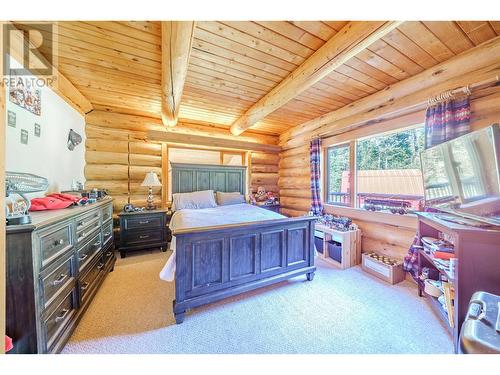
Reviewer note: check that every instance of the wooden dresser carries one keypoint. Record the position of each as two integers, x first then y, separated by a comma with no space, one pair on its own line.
143,230
54,268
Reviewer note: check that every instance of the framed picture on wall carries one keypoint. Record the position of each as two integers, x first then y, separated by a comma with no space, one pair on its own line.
24,136
26,95
11,118
38,130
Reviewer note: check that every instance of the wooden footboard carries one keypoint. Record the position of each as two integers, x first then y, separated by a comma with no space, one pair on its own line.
213,263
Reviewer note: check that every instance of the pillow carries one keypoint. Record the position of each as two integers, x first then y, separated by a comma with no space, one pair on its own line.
224,199
196,199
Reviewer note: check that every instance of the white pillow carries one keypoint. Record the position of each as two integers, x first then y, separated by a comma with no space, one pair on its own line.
196,199
224,199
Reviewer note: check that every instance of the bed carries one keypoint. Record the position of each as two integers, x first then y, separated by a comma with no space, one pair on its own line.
227,250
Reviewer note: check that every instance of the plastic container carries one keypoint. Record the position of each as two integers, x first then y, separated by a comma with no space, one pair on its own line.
318,241
480,332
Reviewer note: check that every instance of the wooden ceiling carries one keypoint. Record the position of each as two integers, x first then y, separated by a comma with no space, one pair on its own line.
117,65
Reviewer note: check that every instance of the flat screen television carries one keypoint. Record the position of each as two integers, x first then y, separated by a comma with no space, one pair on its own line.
461,176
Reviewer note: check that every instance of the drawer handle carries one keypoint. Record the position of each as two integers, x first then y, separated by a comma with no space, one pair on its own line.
58,242
109,253
98,243
85,285
62,315
81,224
60,279
83,257
81,235
99,267
106,234
143,237
144,222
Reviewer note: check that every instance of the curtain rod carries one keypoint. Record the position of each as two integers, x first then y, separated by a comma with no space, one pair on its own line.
421,105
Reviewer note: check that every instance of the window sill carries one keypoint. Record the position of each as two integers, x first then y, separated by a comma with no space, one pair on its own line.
408,221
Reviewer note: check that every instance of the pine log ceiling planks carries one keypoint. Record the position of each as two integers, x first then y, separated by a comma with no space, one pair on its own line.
117,65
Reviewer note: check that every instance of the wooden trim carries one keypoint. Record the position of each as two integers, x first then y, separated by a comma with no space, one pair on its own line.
62,86
348,42
164,174
353,174
186,139
474,65
177,39
2,201
408,221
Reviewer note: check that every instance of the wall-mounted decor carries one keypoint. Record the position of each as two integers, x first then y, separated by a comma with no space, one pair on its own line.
74,139
24,136
38,130
11,118
26,95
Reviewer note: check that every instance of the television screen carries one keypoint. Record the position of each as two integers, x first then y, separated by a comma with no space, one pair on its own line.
462,177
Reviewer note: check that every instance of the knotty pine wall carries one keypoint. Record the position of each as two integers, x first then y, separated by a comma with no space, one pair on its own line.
389,235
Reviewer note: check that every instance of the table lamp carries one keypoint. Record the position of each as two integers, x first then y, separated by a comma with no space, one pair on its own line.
151,180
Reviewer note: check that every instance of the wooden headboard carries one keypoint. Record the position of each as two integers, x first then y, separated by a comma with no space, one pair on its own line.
187,178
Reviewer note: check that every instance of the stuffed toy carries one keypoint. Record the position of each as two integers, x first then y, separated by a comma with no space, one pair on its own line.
261,195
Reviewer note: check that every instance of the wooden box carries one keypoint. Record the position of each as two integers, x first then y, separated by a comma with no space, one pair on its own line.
391,273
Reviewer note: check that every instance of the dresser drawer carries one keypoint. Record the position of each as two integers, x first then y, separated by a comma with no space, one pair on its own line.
54,242
107,232
108,256
55,323
55,279
88,282
86,225
87,252
107,213
143,222
135,238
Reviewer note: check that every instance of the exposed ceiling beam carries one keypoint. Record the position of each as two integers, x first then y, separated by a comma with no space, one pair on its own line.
189,139
176,42
60,84
474,65
347,43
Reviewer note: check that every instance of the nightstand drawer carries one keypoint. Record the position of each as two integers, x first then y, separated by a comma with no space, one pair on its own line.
134,238
143,222
54,242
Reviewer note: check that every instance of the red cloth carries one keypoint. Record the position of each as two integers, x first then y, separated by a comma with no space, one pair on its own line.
8,343
53,202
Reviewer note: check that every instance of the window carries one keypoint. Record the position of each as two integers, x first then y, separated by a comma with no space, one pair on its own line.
338,175
388,174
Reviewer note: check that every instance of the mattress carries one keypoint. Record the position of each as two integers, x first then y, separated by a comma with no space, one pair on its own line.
206,217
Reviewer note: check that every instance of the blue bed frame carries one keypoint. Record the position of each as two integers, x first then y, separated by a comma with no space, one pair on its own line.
216,262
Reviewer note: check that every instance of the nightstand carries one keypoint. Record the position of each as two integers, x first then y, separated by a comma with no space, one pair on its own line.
275,207
144,230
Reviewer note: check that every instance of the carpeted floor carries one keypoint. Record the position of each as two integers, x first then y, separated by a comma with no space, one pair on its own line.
338,312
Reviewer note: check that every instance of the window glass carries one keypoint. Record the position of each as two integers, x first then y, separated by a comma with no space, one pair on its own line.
388,174
338,175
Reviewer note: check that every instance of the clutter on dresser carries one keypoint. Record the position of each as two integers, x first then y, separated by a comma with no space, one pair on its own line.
383,267
339,223
263,197
16,211
129,207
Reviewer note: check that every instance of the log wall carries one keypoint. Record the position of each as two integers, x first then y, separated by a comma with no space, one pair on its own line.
387,235
119,154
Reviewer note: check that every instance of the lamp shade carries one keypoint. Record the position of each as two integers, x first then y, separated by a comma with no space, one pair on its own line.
150,180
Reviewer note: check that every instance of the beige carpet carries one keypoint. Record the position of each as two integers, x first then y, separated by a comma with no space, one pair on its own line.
338,312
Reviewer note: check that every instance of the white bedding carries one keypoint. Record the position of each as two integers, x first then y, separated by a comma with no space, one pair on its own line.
205,217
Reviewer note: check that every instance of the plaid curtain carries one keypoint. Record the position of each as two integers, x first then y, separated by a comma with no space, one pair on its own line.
446,120
315,154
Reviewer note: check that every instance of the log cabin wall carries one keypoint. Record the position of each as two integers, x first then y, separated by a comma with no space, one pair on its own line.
381,232
119,153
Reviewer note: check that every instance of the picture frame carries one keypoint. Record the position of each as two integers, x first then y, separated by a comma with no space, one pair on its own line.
11,119
38,130
24,136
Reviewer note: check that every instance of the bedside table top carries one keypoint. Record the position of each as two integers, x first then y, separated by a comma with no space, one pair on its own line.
144,212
